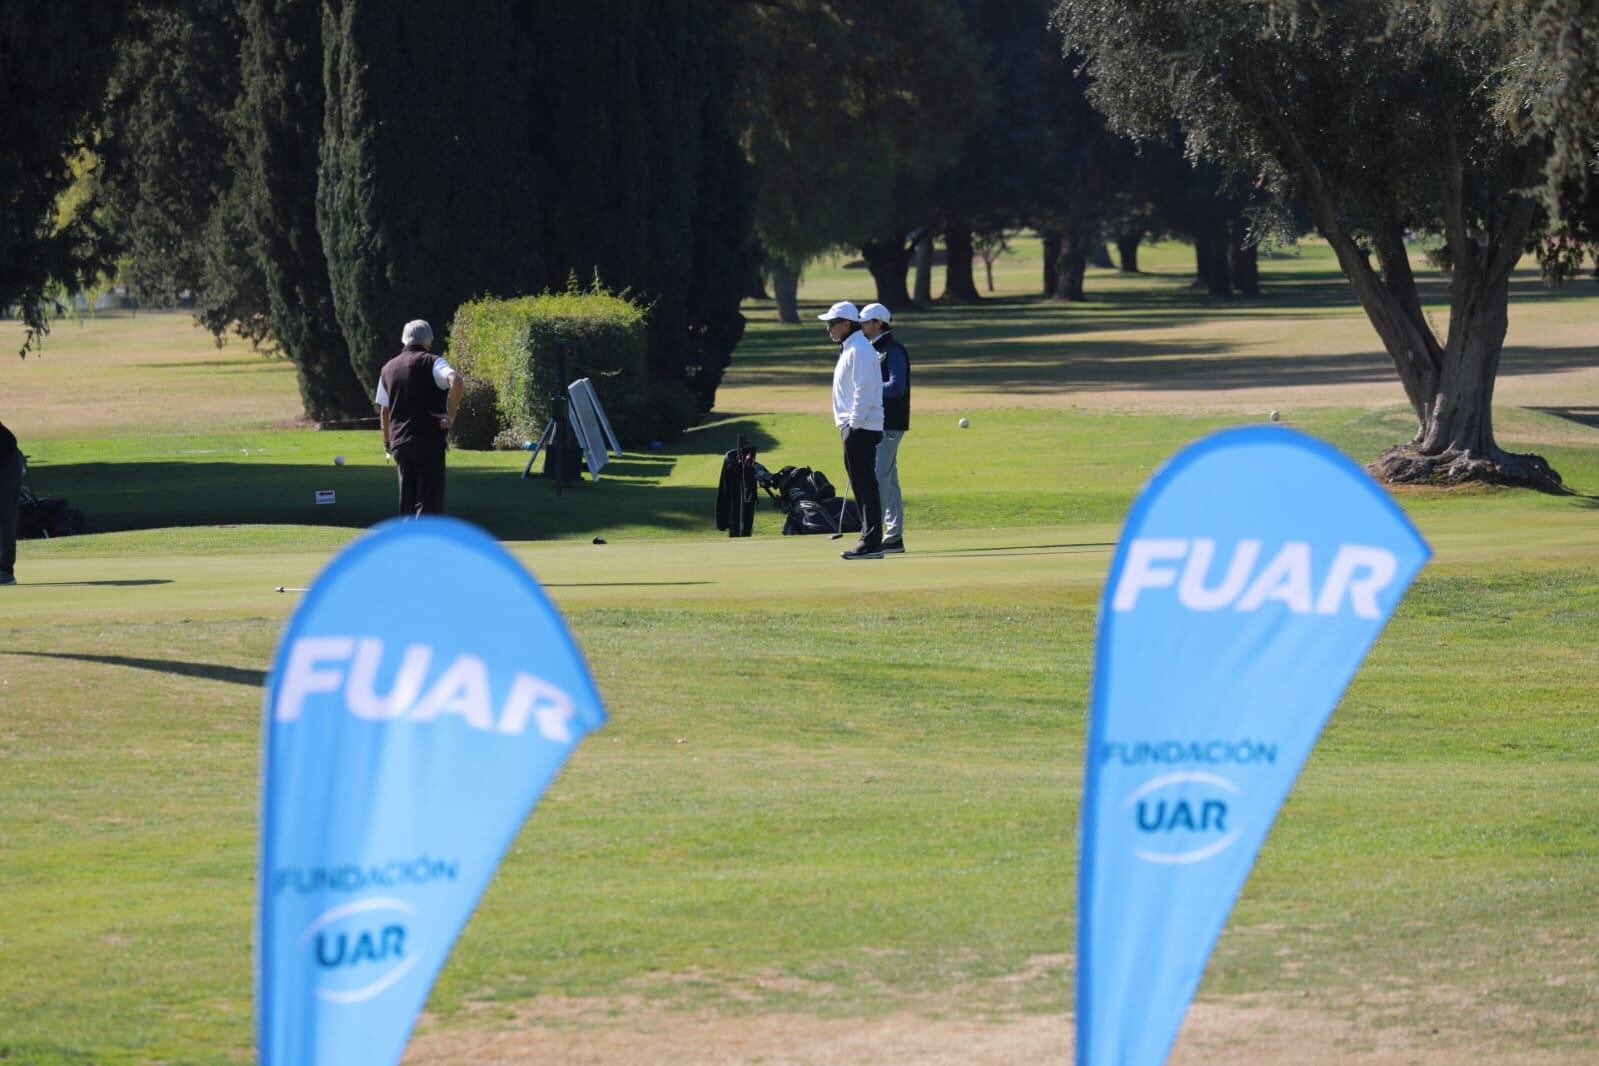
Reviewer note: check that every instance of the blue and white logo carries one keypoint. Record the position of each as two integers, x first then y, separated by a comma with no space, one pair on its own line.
360,948
1182,817
1253,573
408,735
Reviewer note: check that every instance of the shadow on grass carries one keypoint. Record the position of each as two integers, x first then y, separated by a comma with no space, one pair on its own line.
1025,547
1583,416
1031,344
233,675
158,494
206,490
132,583
1045,363
619,584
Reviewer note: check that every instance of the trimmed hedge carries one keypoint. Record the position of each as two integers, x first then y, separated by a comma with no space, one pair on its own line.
477,423
512,345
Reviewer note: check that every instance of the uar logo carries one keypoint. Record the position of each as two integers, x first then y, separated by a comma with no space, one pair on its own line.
1183,818
359,949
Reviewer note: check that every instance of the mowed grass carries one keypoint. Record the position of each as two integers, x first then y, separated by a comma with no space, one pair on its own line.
822,789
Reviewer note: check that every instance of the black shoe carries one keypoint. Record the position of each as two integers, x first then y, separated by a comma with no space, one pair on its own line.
894,547
861,551
8,579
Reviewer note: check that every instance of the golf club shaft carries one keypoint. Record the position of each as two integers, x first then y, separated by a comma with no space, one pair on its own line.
845,505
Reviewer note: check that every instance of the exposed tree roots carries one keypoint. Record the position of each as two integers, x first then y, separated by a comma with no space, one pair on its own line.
1406,464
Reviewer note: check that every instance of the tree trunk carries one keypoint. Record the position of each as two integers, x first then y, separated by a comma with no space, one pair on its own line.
924,268
1051,260
755,280
889,260
1456,439
1218,278
959,286
1242,261
988,269
1099,256
1450,386
785,290
1070,266
1127,252
1202,260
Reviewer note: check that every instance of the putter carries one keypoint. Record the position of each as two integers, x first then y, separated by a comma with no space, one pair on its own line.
841,510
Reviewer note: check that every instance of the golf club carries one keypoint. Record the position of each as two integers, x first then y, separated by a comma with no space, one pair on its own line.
282,588
843,507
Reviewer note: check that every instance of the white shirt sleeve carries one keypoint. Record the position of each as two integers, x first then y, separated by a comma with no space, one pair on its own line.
441,373
382,398
860,368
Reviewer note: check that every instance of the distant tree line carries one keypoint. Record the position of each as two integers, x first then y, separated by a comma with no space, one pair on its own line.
317,172
314,172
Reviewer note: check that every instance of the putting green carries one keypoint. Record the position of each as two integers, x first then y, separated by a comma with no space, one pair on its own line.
152,586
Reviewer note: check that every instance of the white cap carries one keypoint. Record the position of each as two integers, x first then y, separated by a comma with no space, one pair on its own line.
417,332
877,311
843,309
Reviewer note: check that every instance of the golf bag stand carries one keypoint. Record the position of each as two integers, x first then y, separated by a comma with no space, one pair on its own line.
558,441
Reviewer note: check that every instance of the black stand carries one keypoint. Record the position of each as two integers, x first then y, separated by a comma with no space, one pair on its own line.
558,441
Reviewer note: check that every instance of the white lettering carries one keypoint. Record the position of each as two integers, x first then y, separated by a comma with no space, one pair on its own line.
1380,566
359,691
1286,578
323,664
1139,573
302,678
1193,593
549,707
1357,575
463,689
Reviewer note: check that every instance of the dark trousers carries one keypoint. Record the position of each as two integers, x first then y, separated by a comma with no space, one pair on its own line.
860,463
10,497
421,479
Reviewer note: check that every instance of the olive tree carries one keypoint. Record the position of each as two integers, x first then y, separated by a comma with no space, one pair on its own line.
1385,118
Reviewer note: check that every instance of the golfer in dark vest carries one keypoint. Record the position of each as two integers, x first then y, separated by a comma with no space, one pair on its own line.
412,388
895,364
12,467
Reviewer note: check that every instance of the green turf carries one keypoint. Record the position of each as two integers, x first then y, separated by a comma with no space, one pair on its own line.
822,789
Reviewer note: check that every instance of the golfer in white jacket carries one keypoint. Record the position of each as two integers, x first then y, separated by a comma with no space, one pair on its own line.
858,413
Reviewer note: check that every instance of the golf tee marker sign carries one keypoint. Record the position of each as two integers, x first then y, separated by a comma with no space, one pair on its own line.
423,696
1252,576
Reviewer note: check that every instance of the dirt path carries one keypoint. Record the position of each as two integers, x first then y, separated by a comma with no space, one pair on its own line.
614,1031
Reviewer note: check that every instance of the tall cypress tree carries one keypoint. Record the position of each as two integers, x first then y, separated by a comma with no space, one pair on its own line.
168,165
278,132
425,198
639,171
724,248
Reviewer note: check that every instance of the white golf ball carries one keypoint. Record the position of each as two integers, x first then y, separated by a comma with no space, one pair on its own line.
1275,416
965,422
338,460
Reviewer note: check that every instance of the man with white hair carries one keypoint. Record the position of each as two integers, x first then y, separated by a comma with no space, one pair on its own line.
411,388
858,413
896,367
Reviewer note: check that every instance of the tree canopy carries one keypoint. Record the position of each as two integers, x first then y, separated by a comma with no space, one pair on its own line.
55,62
1384,117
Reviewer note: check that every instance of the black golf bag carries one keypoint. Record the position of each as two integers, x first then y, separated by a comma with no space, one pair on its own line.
43,517
809,500
735,491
